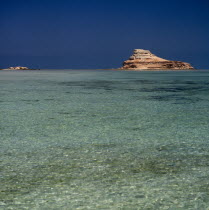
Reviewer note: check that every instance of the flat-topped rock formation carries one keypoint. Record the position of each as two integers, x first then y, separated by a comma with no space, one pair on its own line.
144,59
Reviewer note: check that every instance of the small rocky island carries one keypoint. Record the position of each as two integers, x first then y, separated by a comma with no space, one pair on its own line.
17,68
144,60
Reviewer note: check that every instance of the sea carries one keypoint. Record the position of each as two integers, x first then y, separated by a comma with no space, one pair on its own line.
104,139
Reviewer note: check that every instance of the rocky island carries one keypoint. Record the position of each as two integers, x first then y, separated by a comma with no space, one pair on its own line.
17,68
144,59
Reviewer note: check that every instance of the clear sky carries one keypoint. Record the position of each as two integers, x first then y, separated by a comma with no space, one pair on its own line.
101,33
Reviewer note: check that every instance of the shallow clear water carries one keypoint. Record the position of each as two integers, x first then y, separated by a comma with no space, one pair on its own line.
104,140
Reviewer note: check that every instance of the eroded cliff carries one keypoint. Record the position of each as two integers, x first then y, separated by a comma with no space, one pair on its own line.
144,59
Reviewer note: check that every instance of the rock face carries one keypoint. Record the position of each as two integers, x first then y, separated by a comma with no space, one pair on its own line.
144,59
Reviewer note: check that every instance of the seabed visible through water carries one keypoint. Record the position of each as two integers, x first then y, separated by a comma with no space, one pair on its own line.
85,139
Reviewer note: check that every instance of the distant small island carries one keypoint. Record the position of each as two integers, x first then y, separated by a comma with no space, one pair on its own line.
144,60
18,68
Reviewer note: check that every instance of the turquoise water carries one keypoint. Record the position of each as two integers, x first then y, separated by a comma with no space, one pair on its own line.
104,139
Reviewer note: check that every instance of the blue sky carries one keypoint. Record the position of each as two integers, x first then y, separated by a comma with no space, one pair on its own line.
101,34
